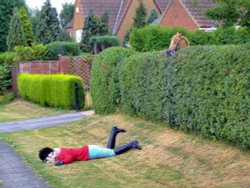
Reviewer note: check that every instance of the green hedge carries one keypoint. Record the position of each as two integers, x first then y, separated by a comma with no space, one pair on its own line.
62,48
151,38
107,40
104,82
209,90
51,90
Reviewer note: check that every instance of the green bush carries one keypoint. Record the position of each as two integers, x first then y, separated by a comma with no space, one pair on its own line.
202,89
30,53
107,40
6,98
62,48
51,90
153,38
104,81
8,59
5,79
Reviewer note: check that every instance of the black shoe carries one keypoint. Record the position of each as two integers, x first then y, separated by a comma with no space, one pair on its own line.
126,147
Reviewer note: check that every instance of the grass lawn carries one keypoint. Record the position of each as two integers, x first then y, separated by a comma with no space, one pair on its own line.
168,158
20,109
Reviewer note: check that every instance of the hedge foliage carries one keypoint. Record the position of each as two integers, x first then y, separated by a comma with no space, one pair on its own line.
104,81
62,48
5,79
51,90
151,38
203,89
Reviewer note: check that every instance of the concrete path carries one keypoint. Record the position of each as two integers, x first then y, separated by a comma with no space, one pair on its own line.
13,172
42,122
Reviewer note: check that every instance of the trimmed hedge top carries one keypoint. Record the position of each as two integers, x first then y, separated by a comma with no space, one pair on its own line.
51,90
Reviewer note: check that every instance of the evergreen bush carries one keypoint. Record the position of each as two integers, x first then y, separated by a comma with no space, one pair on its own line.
51,90
104,83
5,79
8,59
62,48
202,89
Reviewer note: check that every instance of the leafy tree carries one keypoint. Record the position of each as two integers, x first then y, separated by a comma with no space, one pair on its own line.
66,14
16,36
27,27
104,24
140,16
153,16
91,28
231,12
6,12
48,30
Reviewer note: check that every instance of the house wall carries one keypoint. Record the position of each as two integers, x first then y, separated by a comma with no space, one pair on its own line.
128,20
177,15
78,19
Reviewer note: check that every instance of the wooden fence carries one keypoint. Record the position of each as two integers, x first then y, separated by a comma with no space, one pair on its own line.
79,66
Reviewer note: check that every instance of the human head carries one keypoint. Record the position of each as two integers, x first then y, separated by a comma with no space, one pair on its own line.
44,153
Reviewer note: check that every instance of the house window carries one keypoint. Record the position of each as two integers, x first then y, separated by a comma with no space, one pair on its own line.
78,35
77,9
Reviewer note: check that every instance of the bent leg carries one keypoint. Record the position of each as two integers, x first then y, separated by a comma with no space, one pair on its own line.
112,137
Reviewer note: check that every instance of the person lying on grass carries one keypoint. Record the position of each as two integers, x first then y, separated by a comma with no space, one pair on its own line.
61,156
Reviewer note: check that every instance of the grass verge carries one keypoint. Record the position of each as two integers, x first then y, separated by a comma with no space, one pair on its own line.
20,109
169,158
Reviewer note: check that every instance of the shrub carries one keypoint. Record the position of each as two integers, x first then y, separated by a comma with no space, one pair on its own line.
51,90
153,38
8,59
30,53
62,48
104,81
6,98
5,79
202,89
100,43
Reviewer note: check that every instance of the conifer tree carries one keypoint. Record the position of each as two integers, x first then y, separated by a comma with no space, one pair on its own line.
104,24
48,30
67,13
16,35
91,28
153,16
6,12
27,26
140,16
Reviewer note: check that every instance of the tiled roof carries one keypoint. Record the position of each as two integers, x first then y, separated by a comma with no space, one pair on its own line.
198,8
162,4
115,8
69,25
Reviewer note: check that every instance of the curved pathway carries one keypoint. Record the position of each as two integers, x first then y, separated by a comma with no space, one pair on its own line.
13,171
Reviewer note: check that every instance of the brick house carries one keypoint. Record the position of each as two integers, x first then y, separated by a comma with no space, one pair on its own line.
188,14
121,14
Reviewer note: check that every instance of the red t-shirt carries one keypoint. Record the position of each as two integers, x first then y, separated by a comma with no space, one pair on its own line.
68,155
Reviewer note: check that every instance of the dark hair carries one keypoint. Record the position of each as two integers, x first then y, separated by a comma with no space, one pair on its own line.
43,153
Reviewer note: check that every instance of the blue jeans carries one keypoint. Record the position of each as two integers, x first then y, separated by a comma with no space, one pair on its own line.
97,152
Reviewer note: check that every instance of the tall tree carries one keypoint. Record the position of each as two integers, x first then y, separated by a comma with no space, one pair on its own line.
91,28
104,24
16,36
34,16
66,14
231,12
153,16
6,12
27,27
48,30
140,16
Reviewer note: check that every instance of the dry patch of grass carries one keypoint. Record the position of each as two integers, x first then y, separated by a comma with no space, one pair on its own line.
169,158
19,110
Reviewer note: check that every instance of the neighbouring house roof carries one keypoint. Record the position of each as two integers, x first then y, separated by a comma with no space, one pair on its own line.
70,25
115,8
162,4
196,8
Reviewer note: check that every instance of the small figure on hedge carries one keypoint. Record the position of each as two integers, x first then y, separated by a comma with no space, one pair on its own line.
61,156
